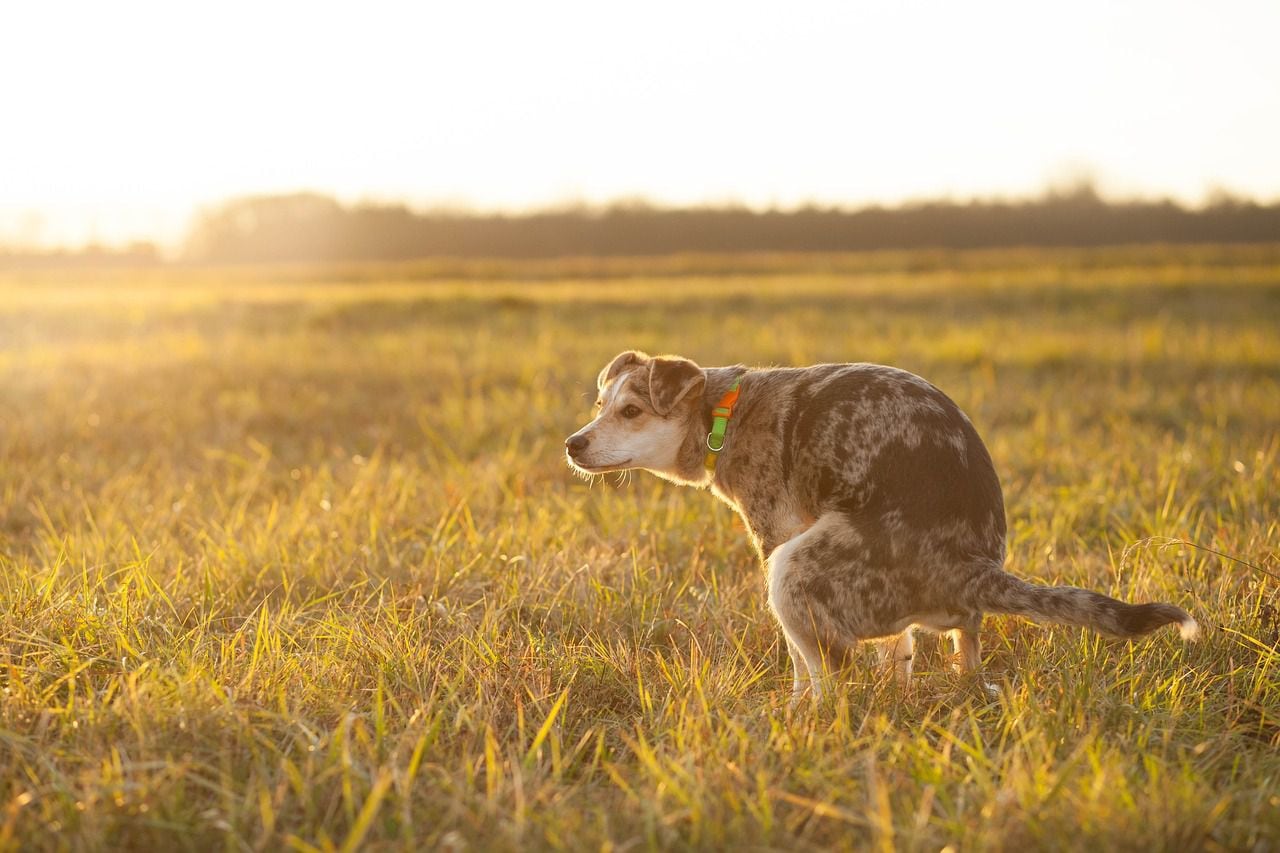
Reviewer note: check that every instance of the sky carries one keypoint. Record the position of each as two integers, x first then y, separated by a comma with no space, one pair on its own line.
119,120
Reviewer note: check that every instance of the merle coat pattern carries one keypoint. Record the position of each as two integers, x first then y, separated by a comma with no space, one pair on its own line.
867,493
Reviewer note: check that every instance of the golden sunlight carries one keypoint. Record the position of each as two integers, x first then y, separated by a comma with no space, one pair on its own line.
121,120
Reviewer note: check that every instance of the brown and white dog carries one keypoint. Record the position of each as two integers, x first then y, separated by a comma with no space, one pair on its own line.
867,492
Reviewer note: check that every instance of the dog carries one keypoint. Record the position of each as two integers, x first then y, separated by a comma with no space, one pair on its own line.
869,497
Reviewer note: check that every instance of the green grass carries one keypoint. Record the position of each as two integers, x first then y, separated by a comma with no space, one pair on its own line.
290,558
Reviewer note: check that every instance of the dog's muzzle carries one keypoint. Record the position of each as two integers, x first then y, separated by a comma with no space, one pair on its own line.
575,444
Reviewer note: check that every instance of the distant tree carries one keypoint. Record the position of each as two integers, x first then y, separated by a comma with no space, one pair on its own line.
268,228
136,254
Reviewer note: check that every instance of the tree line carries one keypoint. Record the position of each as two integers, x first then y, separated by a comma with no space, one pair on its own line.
309,227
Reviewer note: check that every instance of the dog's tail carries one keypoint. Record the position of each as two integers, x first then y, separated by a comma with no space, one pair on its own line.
1001,592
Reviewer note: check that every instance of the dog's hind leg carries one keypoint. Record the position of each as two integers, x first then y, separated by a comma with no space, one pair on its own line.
900,650
968,643
799,670
807,579
798,621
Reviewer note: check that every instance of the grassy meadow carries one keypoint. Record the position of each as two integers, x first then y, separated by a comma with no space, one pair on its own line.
290,559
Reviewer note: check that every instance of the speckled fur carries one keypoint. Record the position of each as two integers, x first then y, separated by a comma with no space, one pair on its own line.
867,493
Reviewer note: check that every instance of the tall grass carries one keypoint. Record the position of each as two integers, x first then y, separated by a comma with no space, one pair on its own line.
292,560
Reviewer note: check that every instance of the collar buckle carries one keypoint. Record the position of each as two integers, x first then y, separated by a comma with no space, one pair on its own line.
720,422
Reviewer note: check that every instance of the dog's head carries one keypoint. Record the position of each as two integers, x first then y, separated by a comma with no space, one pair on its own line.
644,412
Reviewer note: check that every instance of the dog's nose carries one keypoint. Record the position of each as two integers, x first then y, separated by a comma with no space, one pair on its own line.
576,444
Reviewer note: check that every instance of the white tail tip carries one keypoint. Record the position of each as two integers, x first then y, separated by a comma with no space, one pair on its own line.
1189,628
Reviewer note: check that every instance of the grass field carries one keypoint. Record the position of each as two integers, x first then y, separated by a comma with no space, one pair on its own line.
291,558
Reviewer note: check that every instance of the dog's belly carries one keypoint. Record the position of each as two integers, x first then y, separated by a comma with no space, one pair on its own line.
870,626
937,622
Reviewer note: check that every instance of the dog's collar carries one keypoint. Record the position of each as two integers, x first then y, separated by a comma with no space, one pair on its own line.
720,422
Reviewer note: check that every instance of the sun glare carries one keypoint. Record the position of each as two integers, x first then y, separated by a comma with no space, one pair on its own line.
120,120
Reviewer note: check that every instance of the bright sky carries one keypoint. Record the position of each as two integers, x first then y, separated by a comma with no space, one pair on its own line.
118,119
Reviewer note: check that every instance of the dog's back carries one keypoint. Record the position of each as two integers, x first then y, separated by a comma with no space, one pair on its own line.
879,445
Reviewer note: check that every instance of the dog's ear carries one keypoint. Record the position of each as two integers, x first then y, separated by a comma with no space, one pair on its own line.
620,361
671,380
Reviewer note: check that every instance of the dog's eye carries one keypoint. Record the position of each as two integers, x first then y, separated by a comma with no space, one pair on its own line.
631,411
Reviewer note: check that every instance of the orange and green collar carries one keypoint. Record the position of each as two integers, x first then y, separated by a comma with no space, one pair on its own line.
720,422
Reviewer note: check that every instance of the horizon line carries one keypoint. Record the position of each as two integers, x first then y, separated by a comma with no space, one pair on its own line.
1083,187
